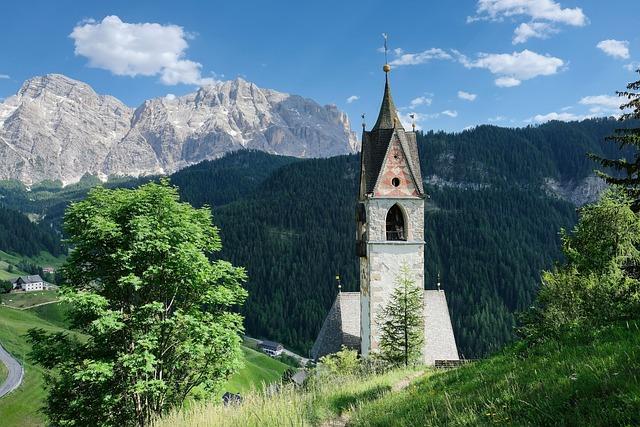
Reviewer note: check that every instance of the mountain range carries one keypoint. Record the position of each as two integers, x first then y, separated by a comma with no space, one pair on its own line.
59,129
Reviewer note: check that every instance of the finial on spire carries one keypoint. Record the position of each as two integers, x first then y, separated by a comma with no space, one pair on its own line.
438,280
386,67
413,121
339,283
363,122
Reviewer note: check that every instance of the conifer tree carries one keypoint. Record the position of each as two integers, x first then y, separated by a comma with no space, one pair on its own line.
402,324
626,137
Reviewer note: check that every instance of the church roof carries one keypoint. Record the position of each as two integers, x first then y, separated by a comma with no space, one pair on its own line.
388,115
375,144
439,341
340,327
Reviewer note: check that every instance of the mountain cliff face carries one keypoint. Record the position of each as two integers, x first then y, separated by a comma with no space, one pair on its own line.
57,128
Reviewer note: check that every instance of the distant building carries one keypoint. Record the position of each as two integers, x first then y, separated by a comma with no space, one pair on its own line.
48,270
271,348
31,283
390,233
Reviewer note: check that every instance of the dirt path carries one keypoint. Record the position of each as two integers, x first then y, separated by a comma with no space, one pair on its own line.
343,419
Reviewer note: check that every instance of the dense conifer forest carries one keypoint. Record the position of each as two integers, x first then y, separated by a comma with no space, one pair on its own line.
19,235
491,224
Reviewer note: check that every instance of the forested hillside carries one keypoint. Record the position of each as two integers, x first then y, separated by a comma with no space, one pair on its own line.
492,223
18,234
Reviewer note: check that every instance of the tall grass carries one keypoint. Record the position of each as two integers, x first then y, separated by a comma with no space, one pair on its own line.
591,380
289,405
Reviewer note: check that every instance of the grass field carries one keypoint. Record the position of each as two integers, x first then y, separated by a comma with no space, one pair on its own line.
28,299
259,369
316,404
21,407
3,373
44,259
589,381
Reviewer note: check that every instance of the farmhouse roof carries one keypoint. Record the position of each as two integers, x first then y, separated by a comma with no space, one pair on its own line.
272,345
29,279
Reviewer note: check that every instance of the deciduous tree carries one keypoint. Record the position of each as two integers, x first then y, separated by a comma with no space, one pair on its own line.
156,315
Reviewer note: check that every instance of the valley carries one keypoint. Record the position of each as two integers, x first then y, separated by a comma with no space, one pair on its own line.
488,241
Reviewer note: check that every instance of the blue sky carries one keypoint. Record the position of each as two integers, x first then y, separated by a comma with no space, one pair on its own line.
455,64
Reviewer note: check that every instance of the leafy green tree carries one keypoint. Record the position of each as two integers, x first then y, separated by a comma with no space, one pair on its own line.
5,286
626,137
157,316
344,362
401,322
596,285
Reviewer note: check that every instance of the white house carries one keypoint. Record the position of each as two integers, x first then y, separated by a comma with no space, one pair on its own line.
271,348
31,283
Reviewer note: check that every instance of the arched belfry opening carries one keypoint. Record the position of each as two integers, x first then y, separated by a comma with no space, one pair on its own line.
396,229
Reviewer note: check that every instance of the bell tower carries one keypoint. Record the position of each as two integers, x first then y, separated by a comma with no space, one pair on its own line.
389,215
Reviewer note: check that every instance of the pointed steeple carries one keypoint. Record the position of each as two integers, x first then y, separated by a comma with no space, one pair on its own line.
388,116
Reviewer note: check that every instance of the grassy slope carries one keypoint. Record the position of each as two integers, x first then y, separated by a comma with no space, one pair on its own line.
28,299
258,370
3,372
45,259
589,381
20,408
315,404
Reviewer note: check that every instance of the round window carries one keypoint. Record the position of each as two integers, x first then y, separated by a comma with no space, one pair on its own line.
395,182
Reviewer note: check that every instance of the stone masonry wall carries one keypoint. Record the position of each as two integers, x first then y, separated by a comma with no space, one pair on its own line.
385,258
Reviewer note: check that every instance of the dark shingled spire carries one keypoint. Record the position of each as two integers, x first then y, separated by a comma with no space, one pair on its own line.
388,117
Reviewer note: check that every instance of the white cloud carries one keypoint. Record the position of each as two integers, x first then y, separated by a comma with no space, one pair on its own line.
146,49
407,121
497,118
602,101
632,66
615,48
4,76
507,82
352,98
467,96
513,68
421,100
547,10
169,97
563,117
525,31
418,118
419,58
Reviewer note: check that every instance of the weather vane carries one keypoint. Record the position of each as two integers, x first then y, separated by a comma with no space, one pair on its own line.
413,121
363,122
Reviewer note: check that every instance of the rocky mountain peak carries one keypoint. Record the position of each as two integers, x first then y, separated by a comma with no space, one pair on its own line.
58,128
54,84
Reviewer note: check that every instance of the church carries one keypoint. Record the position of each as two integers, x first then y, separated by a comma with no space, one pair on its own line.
390,234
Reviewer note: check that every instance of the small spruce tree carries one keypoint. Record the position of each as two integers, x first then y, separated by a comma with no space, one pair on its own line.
401,323
626,137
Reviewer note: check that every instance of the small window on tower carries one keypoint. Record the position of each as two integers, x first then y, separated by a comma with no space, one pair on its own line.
395,182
